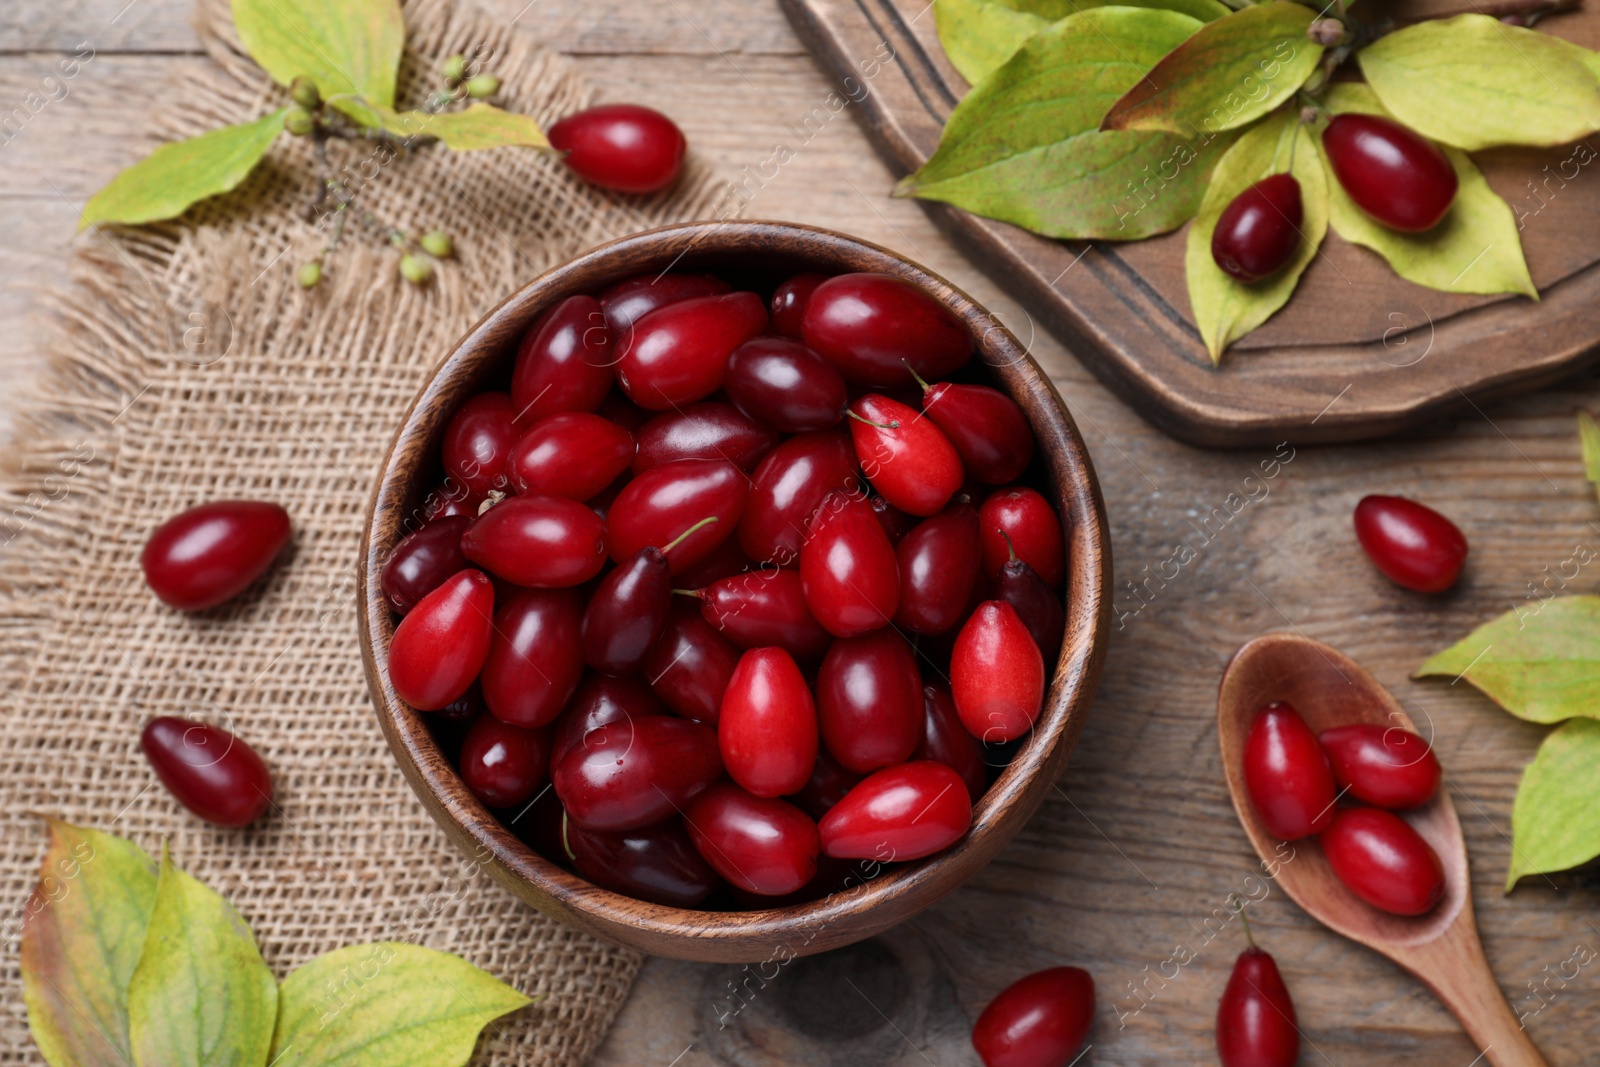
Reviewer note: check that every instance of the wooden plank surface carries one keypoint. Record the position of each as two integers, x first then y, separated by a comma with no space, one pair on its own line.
1140,847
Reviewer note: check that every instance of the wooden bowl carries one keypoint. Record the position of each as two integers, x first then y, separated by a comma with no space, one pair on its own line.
763,251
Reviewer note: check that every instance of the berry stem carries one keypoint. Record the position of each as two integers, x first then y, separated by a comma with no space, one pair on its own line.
1238,902
566,846
676,541
688,592
895,425
1011,548
915,376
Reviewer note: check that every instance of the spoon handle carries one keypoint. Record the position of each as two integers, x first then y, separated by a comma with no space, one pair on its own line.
1460,975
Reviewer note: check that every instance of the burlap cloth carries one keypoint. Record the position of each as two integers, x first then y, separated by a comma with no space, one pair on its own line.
188,366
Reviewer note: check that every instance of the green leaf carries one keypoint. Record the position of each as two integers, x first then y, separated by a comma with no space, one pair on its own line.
81,937
1555,822
1226,309
166,182
1023,147
345,46
479,126
1230,73
200,996
1589,438
1539,663
1474,249
1473,82
386,1005
980,35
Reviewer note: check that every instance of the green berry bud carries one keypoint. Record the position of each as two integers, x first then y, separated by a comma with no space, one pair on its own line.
437,244
415,269
298,121
310,275
455,68
483,86
303,91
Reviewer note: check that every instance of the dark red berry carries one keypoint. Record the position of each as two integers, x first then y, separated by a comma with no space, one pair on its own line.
848,568
627,613
761,845
690,666
422,561
598,700
631,299
654,863
765,607
563,363
1400,178
1036,605
1256,1022
534,659
636,772
1040,1020
903,812
1287,774
575,455
1382,860
767,730
210,771
869,701
871,326
1414,545
828,784
538,541
938,562
213,552
504,765
787,488
625,147
707,430
1259,231
440,645
676,355
1382,765
477,443
905,457
789,303
996,674
945,740
785,385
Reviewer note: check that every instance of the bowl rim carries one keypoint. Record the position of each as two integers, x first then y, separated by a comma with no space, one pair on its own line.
893,894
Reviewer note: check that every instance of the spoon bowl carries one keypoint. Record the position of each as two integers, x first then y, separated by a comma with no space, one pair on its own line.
1440,947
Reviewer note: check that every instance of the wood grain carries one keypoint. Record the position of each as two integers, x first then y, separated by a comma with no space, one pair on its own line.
1339,363
1141,845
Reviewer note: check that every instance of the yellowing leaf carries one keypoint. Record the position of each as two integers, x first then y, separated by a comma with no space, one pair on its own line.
1230,73
1555,822
1589,439
1473,82
1226,309
1474,249
1540,663
345,46
1023,146
386,1005
166,182
980,35
200,996
479,126
82,933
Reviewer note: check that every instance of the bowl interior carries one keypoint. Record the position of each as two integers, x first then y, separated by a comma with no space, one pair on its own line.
757,256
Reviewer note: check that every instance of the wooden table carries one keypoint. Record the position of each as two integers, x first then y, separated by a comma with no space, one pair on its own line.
1140,849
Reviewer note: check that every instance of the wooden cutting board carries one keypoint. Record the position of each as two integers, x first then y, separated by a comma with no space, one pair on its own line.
1357,353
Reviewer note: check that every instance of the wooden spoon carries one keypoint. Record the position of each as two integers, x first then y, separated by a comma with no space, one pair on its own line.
1442,947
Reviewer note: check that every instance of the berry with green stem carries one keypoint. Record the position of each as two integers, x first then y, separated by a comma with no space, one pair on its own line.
483,86
310,274
454,69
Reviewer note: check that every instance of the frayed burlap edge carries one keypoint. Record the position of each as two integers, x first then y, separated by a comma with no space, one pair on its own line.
185,365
